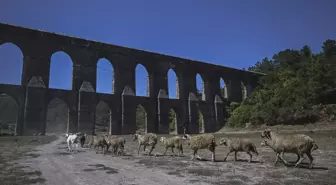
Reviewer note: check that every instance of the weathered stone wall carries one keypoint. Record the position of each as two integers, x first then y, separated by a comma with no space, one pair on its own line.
38,46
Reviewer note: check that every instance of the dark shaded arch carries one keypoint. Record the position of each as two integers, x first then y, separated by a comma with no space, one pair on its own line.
200,87
105,76
11,58
141,81
13,91
60,76
173,84
8,114
60,94
103,122
223,88
141,119
57,116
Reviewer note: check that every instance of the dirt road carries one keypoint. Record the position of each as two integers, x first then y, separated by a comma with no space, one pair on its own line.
87,168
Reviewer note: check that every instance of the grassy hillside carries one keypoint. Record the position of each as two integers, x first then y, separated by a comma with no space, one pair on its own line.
290,93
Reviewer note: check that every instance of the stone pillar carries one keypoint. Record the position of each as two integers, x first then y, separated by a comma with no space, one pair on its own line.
35,65
186,85
114,117
193,114
212,87
20,117
207,110
35,107
157,82
128,113
124,75
84,70
110,126
177,91
219,113
235,91
72,120
86,110
163,112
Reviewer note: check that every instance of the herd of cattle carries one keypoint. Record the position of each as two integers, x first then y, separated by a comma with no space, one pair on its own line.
298,144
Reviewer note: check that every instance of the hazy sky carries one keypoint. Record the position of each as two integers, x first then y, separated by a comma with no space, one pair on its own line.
234,33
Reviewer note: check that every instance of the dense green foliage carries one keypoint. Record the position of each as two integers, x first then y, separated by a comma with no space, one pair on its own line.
290,92
141,119
172,120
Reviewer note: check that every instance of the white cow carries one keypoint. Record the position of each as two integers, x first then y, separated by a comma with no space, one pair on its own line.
72,140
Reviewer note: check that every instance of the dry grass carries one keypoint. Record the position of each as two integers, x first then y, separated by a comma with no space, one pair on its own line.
14,148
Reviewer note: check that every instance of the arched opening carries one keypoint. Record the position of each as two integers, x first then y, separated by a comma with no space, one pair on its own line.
103,119
57,116
105,76
244,91
200,122
200,87
11,59
8,114
141,119
141,81
60,71
172,84
223,88
172,121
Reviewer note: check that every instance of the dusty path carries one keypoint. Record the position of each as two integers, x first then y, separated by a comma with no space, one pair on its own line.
87,168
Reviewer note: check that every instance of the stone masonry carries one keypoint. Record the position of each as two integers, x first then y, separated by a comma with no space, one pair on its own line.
34,94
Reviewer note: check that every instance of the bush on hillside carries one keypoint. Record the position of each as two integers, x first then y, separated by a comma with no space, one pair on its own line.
290,91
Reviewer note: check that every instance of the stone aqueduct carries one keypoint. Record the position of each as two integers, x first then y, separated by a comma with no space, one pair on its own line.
34,94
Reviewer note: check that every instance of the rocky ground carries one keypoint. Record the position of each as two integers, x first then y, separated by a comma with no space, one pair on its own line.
52,164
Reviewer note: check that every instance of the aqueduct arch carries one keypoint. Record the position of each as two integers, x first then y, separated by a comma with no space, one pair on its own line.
34,91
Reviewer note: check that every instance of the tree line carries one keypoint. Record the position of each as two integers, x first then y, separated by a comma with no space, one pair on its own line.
291,92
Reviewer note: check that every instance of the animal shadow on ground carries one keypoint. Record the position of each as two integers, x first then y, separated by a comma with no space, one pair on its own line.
62,153
229,161
63,147
127,155
305,165
167,155
244,161
68,153
110,153
101,167
32,155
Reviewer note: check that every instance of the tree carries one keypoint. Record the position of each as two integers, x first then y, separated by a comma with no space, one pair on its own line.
291,89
